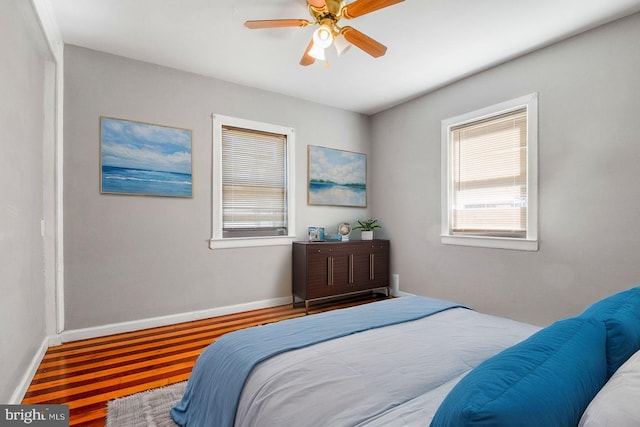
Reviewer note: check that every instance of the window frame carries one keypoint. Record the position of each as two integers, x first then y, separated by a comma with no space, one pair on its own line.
217,240
530,241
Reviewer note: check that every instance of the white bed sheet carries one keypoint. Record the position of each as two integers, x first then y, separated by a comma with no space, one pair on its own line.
392,376
616,405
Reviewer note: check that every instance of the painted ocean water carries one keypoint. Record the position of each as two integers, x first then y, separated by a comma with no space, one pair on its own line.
330,193
147,182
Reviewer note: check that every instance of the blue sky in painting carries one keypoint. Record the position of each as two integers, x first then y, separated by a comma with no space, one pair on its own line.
136,145
342,167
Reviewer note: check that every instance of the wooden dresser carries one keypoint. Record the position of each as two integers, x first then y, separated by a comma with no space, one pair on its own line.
330,269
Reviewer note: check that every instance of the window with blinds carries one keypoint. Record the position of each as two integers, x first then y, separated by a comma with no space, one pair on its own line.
254,183
490,176
489,181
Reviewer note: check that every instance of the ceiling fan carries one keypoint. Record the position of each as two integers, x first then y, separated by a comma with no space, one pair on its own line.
326,14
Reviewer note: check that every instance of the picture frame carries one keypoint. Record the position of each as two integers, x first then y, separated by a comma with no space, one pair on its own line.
336,177
138,158
316,234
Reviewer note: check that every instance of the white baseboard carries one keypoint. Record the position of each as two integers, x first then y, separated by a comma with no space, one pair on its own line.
55,340
136,325
25,381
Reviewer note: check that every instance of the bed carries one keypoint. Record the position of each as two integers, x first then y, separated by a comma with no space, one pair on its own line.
416,361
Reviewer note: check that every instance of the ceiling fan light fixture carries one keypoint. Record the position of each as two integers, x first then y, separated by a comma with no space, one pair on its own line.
317,52
341,44
326,14
323,36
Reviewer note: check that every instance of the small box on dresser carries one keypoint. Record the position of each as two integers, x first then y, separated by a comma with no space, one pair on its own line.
331,269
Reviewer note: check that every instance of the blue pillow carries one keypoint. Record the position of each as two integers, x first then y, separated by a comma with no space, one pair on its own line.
621,315
546,380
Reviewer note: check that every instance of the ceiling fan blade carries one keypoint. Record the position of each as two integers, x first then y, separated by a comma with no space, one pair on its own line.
318,4
276,23
362,7
306,58
364,42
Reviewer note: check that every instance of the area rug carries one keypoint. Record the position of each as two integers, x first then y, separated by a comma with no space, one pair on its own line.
146,409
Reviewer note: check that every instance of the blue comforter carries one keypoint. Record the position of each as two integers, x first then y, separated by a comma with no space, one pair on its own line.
214,388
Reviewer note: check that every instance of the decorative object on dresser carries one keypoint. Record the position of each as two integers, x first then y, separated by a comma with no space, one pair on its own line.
344,230
316,234
324,270
367,226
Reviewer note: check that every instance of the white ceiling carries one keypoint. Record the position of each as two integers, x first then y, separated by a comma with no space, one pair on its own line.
430,42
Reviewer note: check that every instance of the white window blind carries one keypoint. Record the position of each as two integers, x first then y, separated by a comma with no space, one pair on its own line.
254,183
489,194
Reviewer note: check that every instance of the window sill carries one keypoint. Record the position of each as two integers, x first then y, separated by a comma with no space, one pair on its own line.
250,242
491,242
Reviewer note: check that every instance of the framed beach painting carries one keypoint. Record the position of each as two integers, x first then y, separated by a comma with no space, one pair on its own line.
144,159
336,177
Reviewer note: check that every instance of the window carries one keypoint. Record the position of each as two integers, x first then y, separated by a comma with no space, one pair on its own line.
252,190
489,164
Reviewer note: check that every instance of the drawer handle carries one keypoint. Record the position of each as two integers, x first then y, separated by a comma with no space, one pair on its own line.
329,271
372,266
351,269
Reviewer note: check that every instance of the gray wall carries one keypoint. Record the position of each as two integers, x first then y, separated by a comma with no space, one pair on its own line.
129,258
589,157
22,288
136,257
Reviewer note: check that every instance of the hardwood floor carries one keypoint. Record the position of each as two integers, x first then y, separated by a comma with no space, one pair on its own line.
87,374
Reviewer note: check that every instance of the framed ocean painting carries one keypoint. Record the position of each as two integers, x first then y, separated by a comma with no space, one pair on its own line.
144,159
336,177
